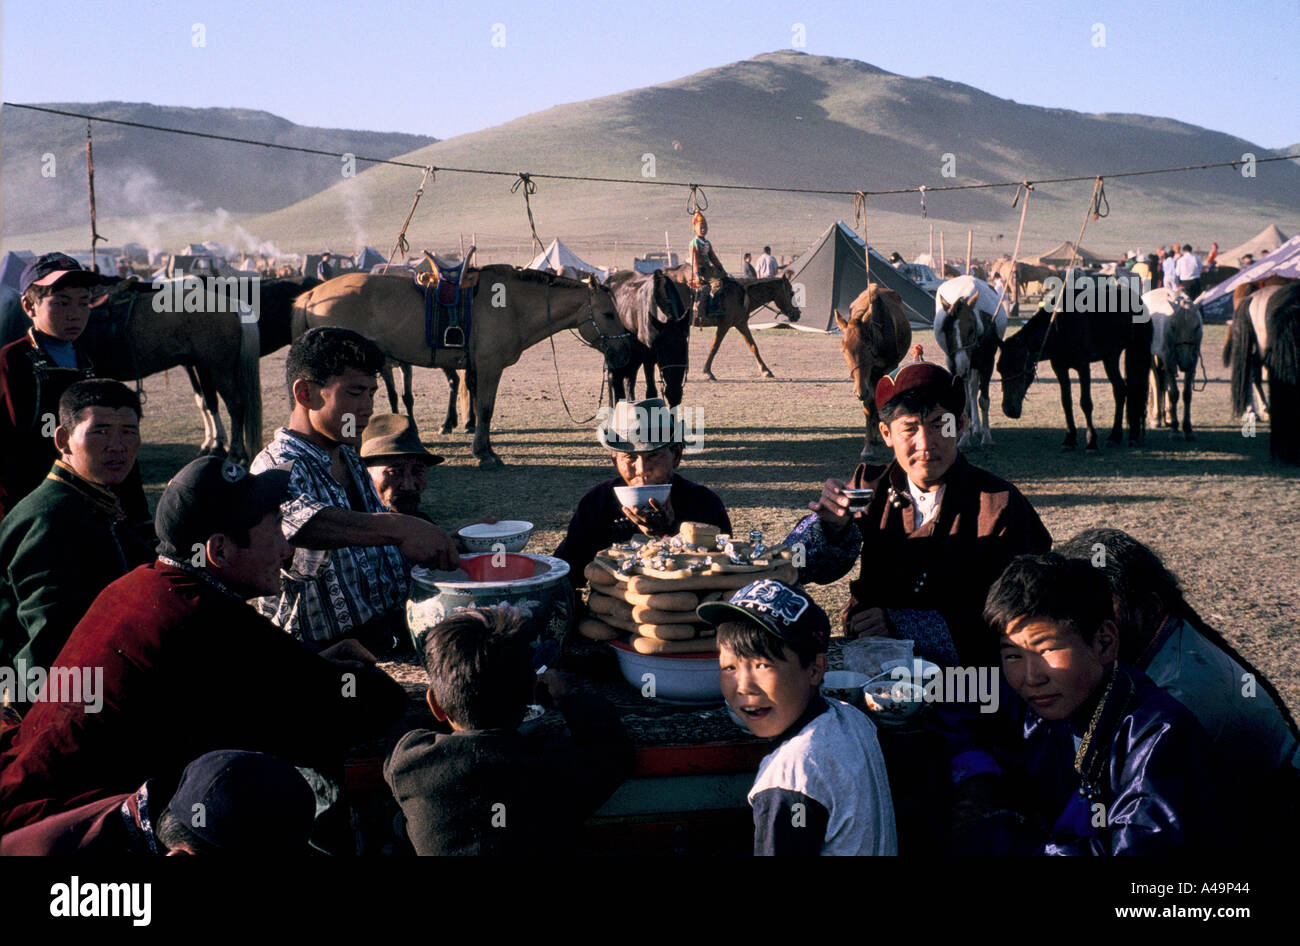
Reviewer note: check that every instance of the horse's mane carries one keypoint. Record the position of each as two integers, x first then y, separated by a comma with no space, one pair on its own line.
542,277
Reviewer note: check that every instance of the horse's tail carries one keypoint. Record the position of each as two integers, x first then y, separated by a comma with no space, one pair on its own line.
1283,321
1137,374
248,378
1242,339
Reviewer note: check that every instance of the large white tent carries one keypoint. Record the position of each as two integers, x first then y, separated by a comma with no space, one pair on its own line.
557,257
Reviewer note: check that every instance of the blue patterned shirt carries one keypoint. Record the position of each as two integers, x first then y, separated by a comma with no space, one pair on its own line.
330,592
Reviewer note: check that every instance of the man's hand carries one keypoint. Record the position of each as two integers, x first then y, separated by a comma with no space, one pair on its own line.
424,543
832,507
872,622
656,520
348,653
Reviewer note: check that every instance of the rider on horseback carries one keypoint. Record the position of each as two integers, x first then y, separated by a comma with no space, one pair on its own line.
707,271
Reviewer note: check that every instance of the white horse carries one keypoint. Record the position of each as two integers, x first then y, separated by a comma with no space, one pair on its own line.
969,321
1176,332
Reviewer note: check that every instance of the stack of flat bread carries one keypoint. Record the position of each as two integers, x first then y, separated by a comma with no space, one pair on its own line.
652,602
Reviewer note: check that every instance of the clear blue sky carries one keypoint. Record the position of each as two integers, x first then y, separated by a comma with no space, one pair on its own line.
391,65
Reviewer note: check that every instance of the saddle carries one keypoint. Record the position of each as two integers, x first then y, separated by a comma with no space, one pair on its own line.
448,307
707,308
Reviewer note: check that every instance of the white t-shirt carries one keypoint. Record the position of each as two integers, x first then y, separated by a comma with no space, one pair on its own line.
766,265
1168,267
1188,266
836,761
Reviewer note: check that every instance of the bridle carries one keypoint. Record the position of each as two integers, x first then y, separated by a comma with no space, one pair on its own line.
602,338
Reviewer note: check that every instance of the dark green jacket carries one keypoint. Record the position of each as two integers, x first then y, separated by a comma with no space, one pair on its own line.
59,548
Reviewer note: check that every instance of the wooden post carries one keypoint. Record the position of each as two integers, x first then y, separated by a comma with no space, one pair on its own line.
931,243
462,245
970,239
940,274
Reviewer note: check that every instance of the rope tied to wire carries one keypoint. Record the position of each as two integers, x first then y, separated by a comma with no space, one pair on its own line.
525,183
922,190
1095,203
696,201
860,220
401,246
1099,201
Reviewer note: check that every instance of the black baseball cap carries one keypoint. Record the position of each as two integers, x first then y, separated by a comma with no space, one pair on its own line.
777,608
244,802
56,269
212,495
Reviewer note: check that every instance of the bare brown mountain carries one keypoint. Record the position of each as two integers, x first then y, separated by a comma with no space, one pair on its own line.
788,119
138,171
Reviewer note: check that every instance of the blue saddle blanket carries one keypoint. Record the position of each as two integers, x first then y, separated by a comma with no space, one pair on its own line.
448,310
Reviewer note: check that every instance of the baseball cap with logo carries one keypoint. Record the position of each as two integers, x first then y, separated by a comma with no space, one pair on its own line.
777,608
56,269
212,495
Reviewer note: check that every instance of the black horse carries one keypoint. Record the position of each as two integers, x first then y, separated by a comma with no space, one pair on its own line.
652,307
1097,324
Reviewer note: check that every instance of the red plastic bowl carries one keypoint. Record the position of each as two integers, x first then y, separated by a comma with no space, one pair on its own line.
492,568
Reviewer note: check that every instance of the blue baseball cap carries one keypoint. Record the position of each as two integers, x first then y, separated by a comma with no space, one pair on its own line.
776,607
56,269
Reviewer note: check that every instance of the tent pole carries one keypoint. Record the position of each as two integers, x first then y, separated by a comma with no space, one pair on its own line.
941,266
970,240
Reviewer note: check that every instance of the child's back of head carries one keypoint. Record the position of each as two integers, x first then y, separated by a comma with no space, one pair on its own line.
479,667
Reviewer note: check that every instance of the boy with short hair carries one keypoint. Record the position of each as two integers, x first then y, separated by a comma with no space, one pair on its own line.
352,569
1111,764
823,789
487,788
69,539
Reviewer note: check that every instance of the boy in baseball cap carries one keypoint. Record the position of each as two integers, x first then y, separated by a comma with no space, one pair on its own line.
823,788
36,369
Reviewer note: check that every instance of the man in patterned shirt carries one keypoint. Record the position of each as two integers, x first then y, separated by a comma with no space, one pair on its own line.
353,555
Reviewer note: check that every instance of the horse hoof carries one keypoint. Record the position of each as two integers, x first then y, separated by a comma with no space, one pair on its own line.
768,374
710,376
490,463
447,429
470,428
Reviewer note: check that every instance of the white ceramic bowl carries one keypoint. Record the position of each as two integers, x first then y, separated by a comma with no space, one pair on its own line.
919,671
845,685
680,678
891,702
640,496
482,536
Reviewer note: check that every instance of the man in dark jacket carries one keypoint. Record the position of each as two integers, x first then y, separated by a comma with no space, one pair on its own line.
935,534
487,787
173,663
645,441
65,542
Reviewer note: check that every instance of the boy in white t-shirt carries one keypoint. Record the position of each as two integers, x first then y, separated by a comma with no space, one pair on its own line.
823,787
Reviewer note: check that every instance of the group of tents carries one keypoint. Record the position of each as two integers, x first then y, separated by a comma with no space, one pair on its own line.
832,272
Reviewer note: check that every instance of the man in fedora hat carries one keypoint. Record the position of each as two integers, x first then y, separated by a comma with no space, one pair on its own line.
936,533
644,440
397,462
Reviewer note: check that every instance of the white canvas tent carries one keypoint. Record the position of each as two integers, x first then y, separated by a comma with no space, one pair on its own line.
833,272
1268,239
557,256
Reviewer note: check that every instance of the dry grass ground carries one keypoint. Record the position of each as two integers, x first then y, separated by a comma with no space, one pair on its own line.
1224,518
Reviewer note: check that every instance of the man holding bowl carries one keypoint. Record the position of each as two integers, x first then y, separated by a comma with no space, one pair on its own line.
934,534
644,440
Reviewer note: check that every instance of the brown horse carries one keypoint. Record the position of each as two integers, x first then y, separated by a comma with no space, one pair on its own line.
876,337
217,343
514,309
739,299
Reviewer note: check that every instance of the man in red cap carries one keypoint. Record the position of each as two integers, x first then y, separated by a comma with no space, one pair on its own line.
935,533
